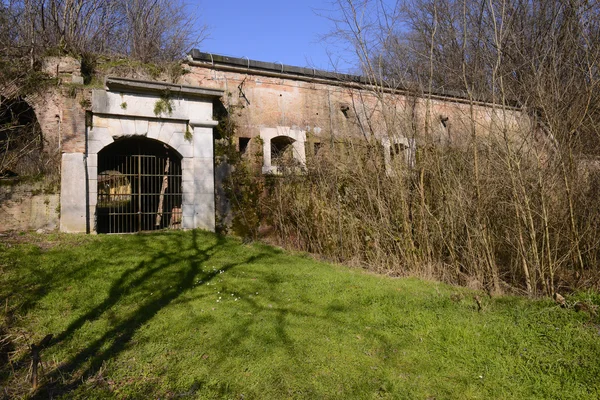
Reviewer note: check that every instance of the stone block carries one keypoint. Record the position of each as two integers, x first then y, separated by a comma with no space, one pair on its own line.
106,139
100,101
182,145
92,172
187,164
188,197
205,212
185,149
141,126
93,197
77,79
200,109
98,140
92,218
94,146
93,185
203,168
73,207
92,160
154,129
164,132
188,216
198,186
99,122
99,133
203,142
127,127
187,172
180,107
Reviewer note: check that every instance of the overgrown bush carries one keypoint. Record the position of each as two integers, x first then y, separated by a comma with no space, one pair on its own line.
495,213
242,190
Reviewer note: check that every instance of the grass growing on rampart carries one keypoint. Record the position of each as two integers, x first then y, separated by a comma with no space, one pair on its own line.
194,315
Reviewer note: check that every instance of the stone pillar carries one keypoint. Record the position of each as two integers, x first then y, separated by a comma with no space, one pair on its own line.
73,205
198,182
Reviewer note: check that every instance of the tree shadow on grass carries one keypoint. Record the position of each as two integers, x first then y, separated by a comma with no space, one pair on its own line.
150,286
23,291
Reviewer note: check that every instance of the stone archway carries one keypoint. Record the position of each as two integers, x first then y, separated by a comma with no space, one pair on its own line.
281,142
21,140
139,186
126,113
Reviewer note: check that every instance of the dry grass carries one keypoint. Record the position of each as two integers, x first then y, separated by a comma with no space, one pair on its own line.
500,213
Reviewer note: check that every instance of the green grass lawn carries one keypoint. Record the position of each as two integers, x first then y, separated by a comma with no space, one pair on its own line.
195,315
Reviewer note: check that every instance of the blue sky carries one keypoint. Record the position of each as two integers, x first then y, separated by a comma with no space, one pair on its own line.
286,31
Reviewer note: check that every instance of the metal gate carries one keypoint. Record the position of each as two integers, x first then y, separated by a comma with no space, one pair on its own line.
138,192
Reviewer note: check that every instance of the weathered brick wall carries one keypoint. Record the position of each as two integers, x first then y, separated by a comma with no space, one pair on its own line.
322,107
73,125
318,107
314,109
60,112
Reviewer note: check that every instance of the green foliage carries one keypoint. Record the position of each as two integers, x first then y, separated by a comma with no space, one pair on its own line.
187,135
244,186
164,105
176,70
71,91
195,315
85,103
127,66
88,67
89,119
34,82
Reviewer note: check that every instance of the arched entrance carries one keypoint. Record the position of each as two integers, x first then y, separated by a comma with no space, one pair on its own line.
22,150
139,186
282,151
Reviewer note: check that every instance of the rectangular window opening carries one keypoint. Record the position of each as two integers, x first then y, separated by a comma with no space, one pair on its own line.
243,144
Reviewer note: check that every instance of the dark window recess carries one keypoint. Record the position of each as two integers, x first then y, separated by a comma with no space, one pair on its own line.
345,109
139,187
243,144
397,149
316,147
281,150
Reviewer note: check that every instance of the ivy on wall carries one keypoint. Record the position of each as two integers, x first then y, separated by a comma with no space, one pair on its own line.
244,185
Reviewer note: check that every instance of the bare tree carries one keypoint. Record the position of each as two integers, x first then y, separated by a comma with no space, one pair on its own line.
144,29
158,29
508,204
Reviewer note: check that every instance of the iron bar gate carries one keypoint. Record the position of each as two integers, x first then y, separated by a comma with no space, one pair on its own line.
139,192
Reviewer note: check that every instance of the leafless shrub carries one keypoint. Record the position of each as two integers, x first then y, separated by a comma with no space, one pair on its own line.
147,30
21,142
505,207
